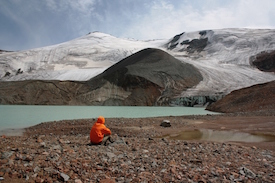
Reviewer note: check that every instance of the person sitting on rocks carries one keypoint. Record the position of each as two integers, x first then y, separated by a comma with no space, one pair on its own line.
99,133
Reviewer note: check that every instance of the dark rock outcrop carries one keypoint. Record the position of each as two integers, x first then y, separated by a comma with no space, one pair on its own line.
194,45
146,78
259,97
264,61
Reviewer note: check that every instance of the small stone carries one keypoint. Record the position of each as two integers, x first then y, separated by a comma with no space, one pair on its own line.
14,149
246,172
64,141
77,181
57,147
228,163
45,153
195,161
27,158
110,155
43,144
64,177
154,164
6,155
3,161
26,177
107,181
36,169
39,179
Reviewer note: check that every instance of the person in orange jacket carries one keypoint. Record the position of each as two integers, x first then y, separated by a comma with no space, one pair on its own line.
99,133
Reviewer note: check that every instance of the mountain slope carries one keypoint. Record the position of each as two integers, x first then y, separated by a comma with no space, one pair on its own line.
148,77
259,97
79,59
223,57
42,92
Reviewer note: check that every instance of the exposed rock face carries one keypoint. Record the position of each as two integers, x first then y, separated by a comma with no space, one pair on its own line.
264,61
194,45
148,77
42,92
259,97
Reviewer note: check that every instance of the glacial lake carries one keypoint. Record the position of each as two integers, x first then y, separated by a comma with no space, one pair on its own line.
21,116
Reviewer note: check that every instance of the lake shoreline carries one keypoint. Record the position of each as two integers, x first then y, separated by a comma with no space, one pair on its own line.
58,151
22,116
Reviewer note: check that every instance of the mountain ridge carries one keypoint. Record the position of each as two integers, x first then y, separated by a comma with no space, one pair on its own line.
224,58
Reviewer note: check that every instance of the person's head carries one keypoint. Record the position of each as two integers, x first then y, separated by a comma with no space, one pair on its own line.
101,120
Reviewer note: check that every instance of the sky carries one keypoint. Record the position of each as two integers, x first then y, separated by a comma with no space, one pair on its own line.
27,24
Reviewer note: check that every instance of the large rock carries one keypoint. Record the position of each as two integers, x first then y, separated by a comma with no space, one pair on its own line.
259,97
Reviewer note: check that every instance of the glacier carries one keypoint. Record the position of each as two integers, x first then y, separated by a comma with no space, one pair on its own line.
222,56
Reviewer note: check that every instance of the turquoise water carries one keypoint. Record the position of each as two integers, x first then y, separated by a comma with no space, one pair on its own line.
21,116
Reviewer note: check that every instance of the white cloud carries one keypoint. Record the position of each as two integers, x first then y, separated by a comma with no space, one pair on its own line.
52,21
166,19
80,6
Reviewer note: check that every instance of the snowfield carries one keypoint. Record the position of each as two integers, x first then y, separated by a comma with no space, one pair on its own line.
222,56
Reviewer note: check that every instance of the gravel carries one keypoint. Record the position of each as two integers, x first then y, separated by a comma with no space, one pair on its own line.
58,152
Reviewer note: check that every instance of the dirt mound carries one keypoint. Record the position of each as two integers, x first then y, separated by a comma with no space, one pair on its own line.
259,97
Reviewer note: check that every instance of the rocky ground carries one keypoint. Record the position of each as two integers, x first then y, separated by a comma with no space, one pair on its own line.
142,152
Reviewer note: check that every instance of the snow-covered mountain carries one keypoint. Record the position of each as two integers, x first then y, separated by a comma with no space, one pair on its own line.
79,59
222,56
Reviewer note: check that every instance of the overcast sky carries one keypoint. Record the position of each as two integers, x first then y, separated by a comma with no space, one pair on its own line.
26,24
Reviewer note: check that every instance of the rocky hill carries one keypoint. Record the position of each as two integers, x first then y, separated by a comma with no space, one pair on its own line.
259,97
150,77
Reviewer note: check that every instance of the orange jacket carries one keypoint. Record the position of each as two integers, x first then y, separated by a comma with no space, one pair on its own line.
99,130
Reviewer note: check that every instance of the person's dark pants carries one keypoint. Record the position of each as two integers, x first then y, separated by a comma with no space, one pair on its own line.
104,141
